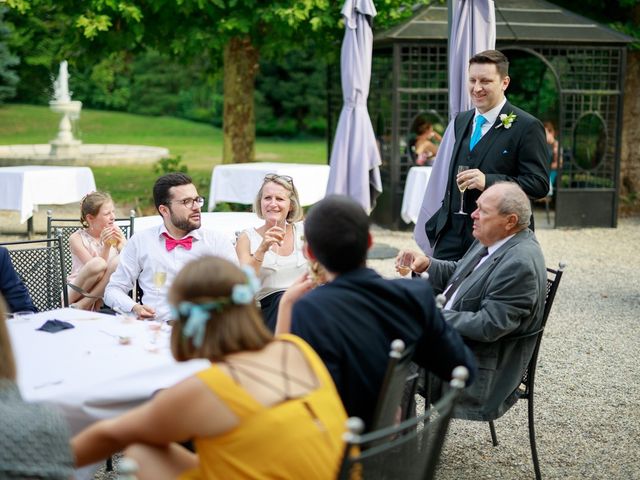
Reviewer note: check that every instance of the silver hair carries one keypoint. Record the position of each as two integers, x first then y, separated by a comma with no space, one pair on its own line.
515,201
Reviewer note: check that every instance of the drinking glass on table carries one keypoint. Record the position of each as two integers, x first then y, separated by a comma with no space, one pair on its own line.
462,188
153,328
21,316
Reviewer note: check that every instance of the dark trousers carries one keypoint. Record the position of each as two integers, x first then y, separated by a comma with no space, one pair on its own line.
269,307
455,239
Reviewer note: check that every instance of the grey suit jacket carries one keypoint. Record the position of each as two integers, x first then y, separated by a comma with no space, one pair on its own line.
518,154
504,297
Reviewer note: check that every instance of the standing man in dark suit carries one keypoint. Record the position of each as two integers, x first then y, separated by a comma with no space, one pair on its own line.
495,291
497,142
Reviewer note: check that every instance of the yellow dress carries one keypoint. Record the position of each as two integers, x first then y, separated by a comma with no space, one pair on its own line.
295,439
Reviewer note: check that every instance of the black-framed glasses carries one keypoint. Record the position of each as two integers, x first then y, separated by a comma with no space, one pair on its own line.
274,176
188,202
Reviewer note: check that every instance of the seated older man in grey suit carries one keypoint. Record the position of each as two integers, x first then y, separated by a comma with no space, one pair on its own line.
494,292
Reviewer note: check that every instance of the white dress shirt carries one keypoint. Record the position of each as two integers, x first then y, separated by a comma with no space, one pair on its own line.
146,253
491,116
490,251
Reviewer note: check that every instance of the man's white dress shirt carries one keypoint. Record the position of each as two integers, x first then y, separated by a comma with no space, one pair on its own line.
490,251
146,253
490,116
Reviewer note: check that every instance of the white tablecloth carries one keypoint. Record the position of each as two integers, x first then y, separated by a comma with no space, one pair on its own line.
86,372
226,222
24,188
240,182
414,189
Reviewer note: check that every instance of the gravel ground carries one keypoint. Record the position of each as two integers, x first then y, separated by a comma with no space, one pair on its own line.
587,394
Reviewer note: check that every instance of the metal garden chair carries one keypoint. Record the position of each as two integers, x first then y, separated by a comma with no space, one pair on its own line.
409,450
527,384
525,391
41,266
398,388
67,226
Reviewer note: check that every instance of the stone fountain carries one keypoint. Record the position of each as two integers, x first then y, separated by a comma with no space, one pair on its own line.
67,150
64,145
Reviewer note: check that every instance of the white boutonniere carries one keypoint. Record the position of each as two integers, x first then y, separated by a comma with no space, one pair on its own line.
507,120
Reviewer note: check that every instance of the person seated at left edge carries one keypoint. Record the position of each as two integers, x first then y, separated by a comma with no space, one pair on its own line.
12,287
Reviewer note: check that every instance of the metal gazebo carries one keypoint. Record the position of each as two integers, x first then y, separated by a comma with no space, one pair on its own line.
586,62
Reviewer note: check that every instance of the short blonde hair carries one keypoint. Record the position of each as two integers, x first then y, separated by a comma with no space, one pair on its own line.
295,210
233,328
7,363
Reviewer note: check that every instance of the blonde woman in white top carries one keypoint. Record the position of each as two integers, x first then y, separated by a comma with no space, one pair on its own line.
274,250
94,250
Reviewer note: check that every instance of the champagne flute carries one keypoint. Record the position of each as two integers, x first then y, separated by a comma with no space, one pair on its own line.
404,268
462,188
276,247
159,279
113,241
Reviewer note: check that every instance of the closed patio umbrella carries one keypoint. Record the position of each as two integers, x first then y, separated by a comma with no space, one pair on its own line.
472,30
355,159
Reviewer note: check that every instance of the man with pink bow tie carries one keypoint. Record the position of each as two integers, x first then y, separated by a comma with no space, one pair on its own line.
154,256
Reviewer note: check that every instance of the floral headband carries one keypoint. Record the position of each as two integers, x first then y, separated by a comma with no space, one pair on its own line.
199,313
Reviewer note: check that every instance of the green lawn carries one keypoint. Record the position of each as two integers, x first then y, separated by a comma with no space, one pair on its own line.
199,145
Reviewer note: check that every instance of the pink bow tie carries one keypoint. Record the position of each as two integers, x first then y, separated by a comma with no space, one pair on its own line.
171,243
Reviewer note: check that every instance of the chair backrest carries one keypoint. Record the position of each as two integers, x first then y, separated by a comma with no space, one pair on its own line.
553,281
409,450
396,380
67,226
41,266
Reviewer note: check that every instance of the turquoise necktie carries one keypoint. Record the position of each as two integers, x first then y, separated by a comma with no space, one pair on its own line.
477,132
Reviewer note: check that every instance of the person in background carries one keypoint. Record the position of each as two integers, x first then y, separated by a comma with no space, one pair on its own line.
154,256
35,439
266,408
554,152
352,320
425,141
12,287
274,250
95,250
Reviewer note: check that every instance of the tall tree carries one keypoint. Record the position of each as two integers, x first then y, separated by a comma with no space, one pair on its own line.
8,77
230,33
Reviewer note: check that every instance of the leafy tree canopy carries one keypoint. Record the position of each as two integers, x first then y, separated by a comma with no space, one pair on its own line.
8,77
187,28
621,15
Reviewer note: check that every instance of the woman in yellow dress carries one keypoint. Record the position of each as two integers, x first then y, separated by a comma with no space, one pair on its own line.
266,408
